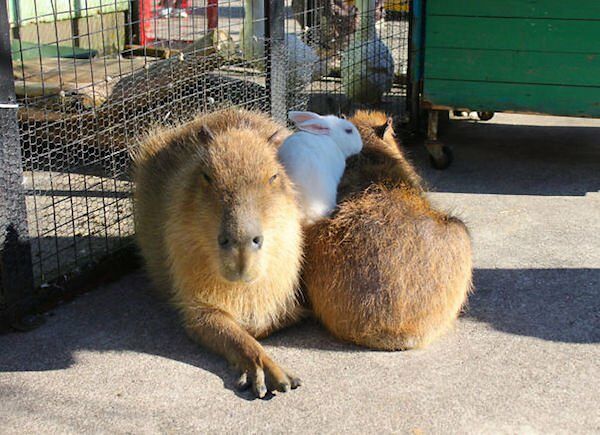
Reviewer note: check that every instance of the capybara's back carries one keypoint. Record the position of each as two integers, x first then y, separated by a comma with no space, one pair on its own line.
387,271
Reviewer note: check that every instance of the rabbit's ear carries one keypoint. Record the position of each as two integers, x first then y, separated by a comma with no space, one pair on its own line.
315,126
300,117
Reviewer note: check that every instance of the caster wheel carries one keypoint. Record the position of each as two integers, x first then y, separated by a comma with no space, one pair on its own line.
28,323
485,116
443,160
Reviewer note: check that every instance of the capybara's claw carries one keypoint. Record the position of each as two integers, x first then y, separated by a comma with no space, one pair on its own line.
268,378
258,382
295,381
279,379
242,383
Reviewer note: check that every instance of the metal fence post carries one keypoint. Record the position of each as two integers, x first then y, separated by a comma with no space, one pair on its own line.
276,60
415,62
16,276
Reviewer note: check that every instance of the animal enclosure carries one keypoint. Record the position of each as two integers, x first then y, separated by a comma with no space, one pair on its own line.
81,82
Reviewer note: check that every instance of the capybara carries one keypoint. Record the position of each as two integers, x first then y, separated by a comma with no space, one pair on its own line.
387,271
218,225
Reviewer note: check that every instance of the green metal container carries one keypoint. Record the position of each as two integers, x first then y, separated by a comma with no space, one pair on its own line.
533,56
539,56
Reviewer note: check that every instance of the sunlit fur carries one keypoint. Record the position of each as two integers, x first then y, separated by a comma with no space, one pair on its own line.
387,271
178,214
380,160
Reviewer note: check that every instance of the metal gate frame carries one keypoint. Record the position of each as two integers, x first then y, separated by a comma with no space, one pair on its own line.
16,274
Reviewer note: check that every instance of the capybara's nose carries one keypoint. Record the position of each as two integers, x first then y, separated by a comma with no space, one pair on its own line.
224,241
227,242
257,242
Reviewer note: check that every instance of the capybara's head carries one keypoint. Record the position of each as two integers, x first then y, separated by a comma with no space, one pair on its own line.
241,200
381,124
378,160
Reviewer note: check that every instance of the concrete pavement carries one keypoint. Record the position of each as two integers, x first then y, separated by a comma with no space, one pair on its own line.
525,358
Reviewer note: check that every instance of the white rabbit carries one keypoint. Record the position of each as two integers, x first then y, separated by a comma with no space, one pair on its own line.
315,159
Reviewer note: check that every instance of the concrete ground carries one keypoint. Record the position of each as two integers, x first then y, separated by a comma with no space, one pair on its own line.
525,357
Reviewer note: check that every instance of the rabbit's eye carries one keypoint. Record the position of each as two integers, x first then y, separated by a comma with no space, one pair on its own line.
349,130
206,178
273,178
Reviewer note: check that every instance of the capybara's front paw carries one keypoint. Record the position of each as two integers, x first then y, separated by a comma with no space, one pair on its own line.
264,375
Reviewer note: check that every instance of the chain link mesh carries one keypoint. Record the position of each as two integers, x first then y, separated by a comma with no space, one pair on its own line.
91,80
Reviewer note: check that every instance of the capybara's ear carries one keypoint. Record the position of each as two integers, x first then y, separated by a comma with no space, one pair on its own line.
384,128
380,130
278,137
205,134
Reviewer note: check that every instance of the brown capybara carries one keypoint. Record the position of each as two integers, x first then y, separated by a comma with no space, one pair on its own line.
387,271
219,229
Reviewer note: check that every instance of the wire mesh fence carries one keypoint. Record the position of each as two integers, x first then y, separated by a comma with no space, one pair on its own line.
90,78
359,52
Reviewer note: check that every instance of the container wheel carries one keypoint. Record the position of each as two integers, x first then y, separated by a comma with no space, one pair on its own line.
485,116
28,323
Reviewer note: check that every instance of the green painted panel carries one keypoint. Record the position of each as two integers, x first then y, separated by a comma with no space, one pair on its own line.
556,100
581,9
513,66
513,34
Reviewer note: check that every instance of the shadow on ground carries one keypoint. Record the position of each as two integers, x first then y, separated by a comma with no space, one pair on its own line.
517,159
551,304
561,305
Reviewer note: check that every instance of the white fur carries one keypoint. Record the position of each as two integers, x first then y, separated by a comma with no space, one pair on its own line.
303,63
315,159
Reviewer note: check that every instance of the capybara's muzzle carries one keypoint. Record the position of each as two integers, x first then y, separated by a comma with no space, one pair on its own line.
239,247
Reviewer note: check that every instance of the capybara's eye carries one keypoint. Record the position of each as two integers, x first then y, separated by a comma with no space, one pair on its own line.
273,178
349,130
206,178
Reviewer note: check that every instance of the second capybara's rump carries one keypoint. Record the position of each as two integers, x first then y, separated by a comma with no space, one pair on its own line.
396,276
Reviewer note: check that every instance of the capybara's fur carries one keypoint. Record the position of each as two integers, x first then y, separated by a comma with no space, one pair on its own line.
382,158
219,228
387,271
